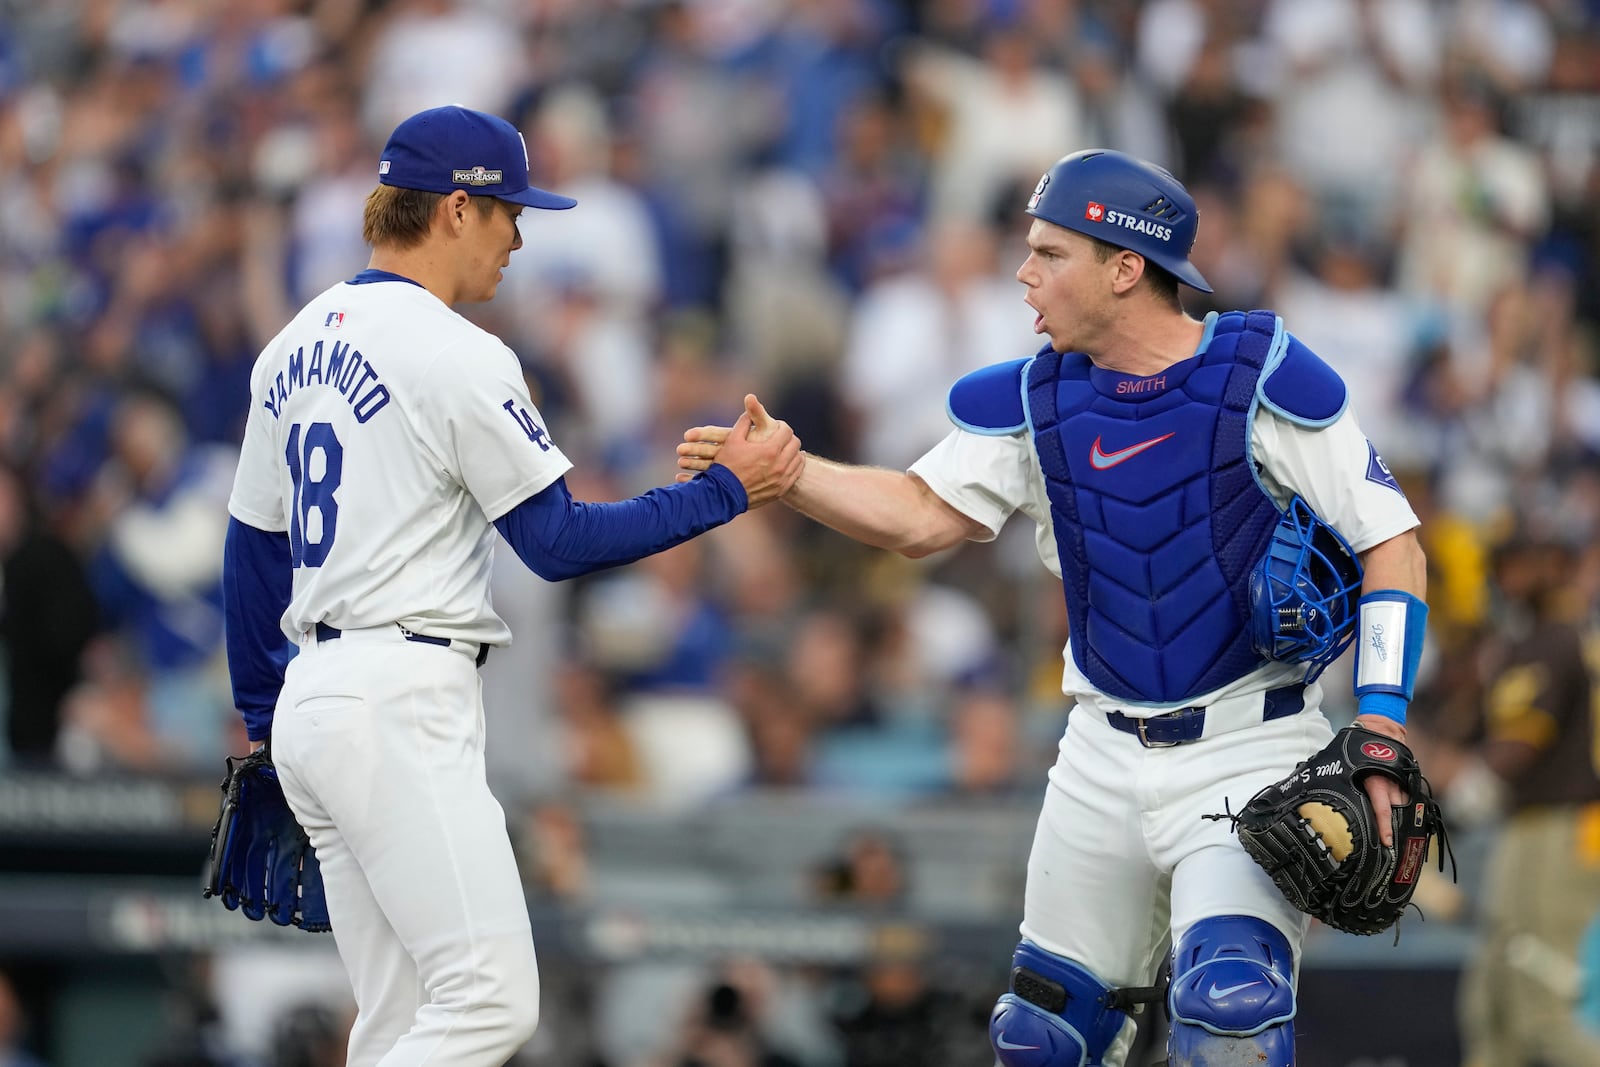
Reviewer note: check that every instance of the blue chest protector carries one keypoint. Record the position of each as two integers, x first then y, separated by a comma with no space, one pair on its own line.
1158,515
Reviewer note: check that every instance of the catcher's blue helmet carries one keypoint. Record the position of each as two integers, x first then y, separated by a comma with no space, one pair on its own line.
1124,201
1304,592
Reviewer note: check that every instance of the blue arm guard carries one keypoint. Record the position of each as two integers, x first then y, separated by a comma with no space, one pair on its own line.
558,537
257,582
1390,627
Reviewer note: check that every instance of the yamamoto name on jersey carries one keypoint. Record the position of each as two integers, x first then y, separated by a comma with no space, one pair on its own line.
346,370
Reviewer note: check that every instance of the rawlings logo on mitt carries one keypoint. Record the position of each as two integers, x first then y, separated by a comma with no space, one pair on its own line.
1316,835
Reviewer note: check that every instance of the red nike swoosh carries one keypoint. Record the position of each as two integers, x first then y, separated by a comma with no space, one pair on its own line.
1102,461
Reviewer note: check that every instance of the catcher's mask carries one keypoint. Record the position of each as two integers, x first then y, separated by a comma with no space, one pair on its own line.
1304,592
1124,201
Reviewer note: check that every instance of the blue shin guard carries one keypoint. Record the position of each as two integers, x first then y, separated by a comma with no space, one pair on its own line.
1057,1013
1232,997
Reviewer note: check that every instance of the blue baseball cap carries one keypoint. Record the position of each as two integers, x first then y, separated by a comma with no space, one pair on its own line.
448,148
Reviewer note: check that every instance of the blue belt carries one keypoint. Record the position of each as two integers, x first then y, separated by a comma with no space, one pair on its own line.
1187,724
333,633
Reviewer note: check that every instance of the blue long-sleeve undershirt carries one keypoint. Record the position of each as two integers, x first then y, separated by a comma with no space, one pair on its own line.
555,536
257,582
558,537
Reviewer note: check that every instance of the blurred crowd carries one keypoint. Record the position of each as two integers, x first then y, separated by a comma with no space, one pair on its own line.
820,201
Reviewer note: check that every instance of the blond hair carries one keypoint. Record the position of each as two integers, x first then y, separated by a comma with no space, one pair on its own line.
400,218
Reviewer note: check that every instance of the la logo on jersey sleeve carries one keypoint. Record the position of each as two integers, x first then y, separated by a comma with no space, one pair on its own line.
1378,470
536,433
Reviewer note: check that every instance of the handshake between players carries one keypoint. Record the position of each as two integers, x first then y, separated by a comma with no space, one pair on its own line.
762,451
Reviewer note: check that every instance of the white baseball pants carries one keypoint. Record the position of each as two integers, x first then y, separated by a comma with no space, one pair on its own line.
1122,862
379,744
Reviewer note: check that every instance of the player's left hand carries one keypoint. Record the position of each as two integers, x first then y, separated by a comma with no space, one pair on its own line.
1384,793
1316,833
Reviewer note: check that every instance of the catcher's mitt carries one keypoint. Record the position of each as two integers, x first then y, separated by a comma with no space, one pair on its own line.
261,861
1316,834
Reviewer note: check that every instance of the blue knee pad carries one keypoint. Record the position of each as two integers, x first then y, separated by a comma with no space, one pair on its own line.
1057,1014
1232,996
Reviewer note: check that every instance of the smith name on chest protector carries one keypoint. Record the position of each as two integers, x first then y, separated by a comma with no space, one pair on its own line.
1158,514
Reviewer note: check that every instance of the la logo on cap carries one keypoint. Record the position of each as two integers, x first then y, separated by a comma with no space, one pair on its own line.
1094,212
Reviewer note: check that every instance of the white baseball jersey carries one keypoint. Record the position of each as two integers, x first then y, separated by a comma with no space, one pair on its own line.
385,435
989,478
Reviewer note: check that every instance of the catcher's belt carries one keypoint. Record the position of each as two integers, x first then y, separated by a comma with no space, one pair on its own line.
1189,724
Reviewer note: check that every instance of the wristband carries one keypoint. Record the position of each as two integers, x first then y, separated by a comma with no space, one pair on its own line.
1390,625
1386,704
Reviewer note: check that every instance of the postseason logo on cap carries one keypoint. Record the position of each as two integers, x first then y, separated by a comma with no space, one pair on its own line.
477,176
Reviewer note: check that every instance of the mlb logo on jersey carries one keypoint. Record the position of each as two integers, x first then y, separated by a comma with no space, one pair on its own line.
334,320
1094,212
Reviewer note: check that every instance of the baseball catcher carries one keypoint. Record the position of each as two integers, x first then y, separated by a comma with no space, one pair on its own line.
261,861
1316,834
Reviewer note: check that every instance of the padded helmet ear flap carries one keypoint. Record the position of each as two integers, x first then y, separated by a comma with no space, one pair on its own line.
1304,592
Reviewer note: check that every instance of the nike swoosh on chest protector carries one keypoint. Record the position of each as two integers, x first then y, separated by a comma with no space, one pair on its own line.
1002,1043
1101,460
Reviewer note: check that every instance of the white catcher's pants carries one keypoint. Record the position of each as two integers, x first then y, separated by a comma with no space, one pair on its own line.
379,744
1122,862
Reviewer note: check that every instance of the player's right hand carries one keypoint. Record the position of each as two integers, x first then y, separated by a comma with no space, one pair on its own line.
762,452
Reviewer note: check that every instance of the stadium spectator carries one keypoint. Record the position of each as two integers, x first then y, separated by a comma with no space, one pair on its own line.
47,617
1521,995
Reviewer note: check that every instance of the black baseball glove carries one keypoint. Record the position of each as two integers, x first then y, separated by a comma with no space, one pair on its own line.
261,861
1316,834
